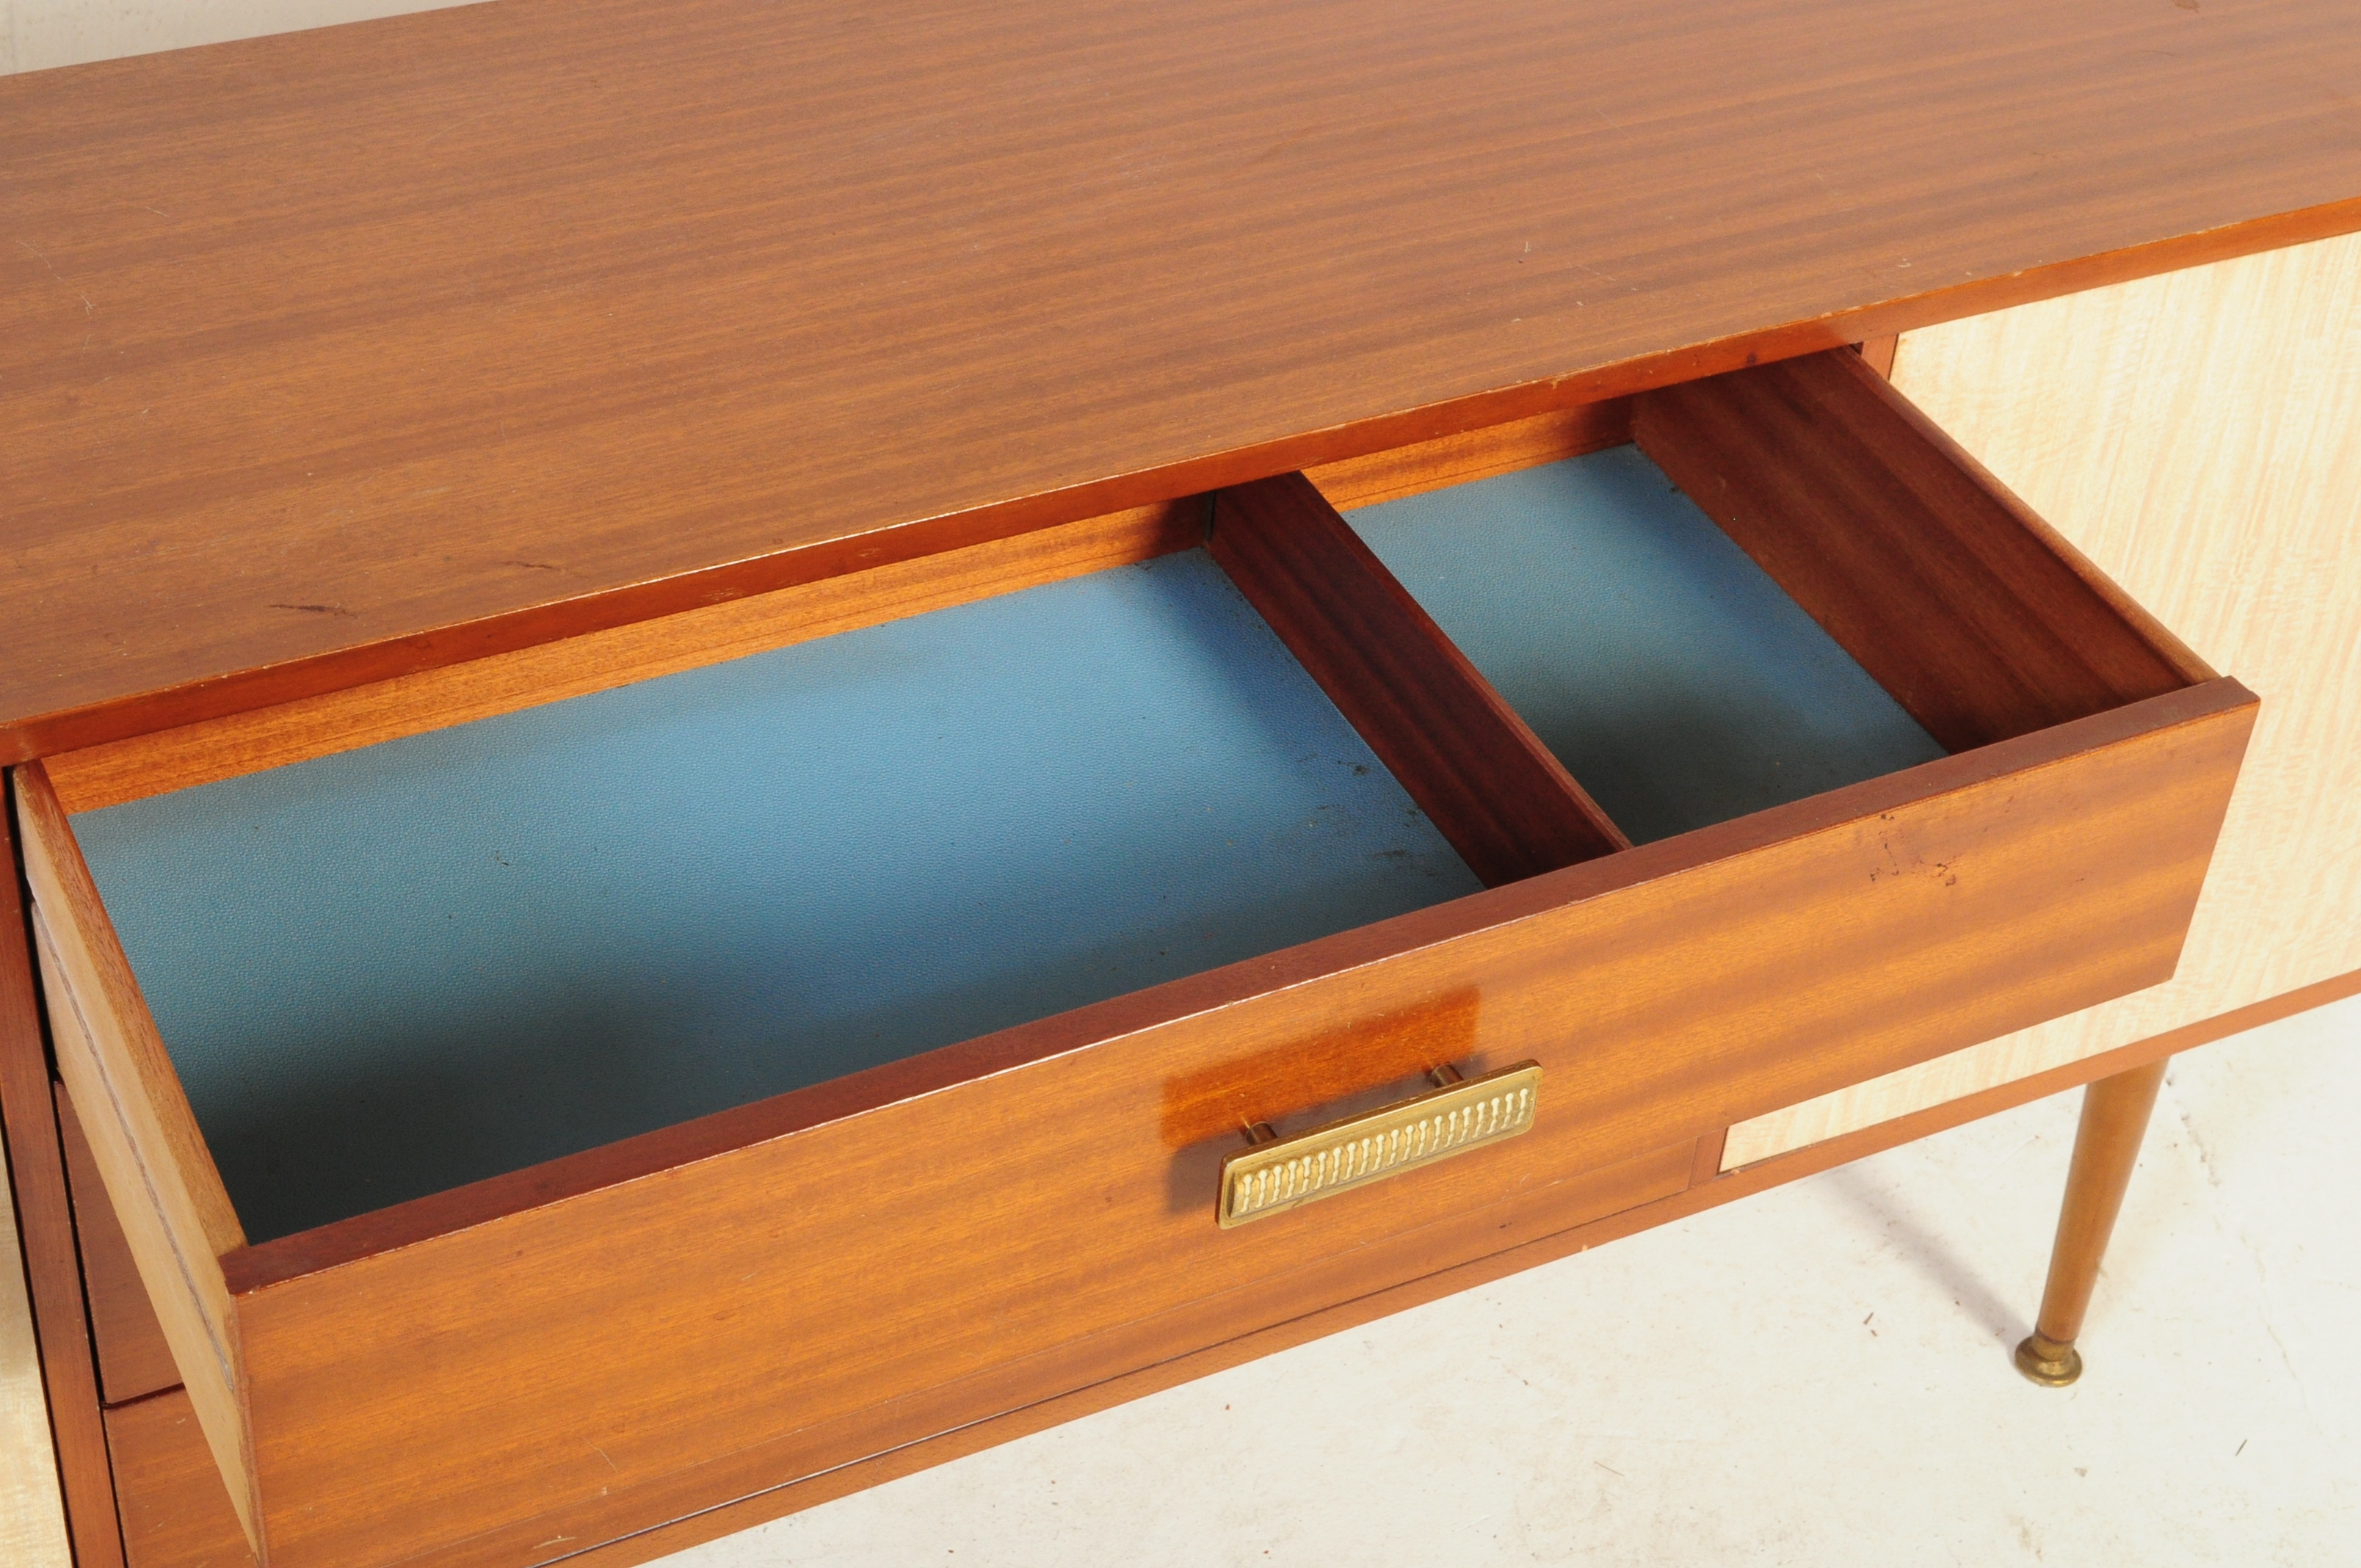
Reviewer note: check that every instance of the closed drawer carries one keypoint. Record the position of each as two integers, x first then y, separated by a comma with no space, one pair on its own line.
536,1129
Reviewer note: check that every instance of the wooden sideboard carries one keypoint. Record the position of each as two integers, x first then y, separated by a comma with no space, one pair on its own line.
468,367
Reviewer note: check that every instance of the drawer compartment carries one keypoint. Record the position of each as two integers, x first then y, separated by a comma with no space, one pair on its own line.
1656,661
631,1225
546,931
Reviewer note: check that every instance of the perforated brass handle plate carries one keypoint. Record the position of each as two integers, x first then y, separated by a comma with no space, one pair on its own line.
1287,1173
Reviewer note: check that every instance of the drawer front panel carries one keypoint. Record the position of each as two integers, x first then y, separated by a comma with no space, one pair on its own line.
599,1343
175,1513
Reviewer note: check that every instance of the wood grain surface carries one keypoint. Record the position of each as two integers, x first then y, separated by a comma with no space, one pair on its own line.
1250,1303
1474,768
133,1360
158,1173
502,683
814,1278
1473,454
175,1513
2199,438
179,1516
1979,620
331,356
73,1450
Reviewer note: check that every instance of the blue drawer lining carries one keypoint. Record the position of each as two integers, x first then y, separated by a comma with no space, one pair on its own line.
1665,669
393,971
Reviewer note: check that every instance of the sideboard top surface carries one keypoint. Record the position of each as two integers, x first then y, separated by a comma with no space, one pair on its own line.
331,354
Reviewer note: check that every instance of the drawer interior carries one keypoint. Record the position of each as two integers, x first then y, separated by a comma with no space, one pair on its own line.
394,970
424,963
1665,669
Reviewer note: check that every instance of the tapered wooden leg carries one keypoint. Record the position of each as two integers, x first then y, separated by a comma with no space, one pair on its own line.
2115,1117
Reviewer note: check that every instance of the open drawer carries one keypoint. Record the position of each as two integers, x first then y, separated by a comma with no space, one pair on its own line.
536,1129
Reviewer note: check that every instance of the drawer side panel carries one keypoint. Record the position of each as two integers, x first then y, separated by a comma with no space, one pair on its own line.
1974,613
156,1171
134,1358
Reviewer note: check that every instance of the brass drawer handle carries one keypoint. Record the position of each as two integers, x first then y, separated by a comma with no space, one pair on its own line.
1285,1173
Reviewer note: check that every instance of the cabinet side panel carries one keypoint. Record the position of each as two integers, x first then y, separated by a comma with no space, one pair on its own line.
596,1344
2196,436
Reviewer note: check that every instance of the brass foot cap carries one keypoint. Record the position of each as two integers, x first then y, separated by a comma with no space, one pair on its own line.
2047,1361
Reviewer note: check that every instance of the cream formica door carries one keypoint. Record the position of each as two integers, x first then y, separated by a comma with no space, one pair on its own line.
2199,436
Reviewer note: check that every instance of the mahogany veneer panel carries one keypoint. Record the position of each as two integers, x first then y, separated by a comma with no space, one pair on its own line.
1473,454
32,1503
177,1480
334,356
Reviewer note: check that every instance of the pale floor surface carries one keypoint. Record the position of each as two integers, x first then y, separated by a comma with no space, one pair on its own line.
1816,1375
